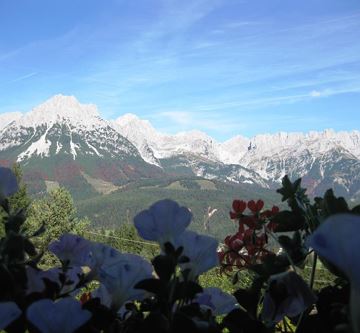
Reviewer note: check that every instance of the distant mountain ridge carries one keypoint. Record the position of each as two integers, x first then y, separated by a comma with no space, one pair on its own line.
63,141
323,159
63,138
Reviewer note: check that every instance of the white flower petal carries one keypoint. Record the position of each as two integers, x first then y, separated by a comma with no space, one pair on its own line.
63,316
9,311
163,222
72,248
101,256
218,301
120,278
103,294
337,239
35,283
72,278
298,297
201,250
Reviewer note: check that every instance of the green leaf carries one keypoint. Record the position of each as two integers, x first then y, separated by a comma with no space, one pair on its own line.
333,205
154,286
249,298
164,266
288,221
187,290
294,248
29,248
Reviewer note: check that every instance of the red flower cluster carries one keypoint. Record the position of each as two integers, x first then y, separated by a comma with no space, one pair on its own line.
248,246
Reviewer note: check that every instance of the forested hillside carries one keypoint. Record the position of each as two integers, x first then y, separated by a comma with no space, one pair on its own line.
109,211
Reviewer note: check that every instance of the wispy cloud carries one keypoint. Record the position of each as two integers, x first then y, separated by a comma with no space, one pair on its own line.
191,64
315,93
24,77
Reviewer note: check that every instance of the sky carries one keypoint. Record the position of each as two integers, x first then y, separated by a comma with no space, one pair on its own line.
225,67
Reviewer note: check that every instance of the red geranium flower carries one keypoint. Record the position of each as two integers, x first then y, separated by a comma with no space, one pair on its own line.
238,208
255,207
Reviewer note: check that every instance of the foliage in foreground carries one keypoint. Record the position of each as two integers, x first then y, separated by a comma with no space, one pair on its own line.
166,295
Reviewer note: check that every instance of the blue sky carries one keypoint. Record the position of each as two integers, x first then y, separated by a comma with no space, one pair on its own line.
226,67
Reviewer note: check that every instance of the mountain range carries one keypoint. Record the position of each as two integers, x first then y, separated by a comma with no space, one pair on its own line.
64,142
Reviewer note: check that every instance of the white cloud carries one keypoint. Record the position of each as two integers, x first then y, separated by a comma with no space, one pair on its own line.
315,93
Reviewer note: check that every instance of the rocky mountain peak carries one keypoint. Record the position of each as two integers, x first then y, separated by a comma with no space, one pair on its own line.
61,108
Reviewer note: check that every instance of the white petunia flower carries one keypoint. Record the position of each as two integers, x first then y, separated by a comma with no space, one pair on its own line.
103,294
163,222
35,283
337,240
72,276
9,311
102,256
106,299
121,277
72,249
287,295
201,250
35,279
217,301
63,316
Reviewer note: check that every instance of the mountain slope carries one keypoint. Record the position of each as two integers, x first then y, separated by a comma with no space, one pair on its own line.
61,139
110,210
65,142
323,159
7,118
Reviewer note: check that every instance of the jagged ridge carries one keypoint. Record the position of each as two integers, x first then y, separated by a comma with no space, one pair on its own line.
63,129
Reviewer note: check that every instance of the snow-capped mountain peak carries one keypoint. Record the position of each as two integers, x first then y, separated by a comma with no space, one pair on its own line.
7,118
141,133
61,108
130,125
62,126
154,145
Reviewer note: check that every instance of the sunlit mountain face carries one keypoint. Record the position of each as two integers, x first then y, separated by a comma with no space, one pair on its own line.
64,142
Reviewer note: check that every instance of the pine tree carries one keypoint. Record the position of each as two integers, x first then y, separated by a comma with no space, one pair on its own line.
57,213
19,200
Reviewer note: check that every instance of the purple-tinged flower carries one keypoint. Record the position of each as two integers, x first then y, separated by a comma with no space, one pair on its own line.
103,294
337,240
106,299
72,278
163,222
35,283
102,256
287,295
8,182
35,279
63,316
201,250
72,249
121,277
9,311
217,301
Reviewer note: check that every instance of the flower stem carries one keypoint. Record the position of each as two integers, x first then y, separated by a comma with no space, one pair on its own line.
313,270
311,285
